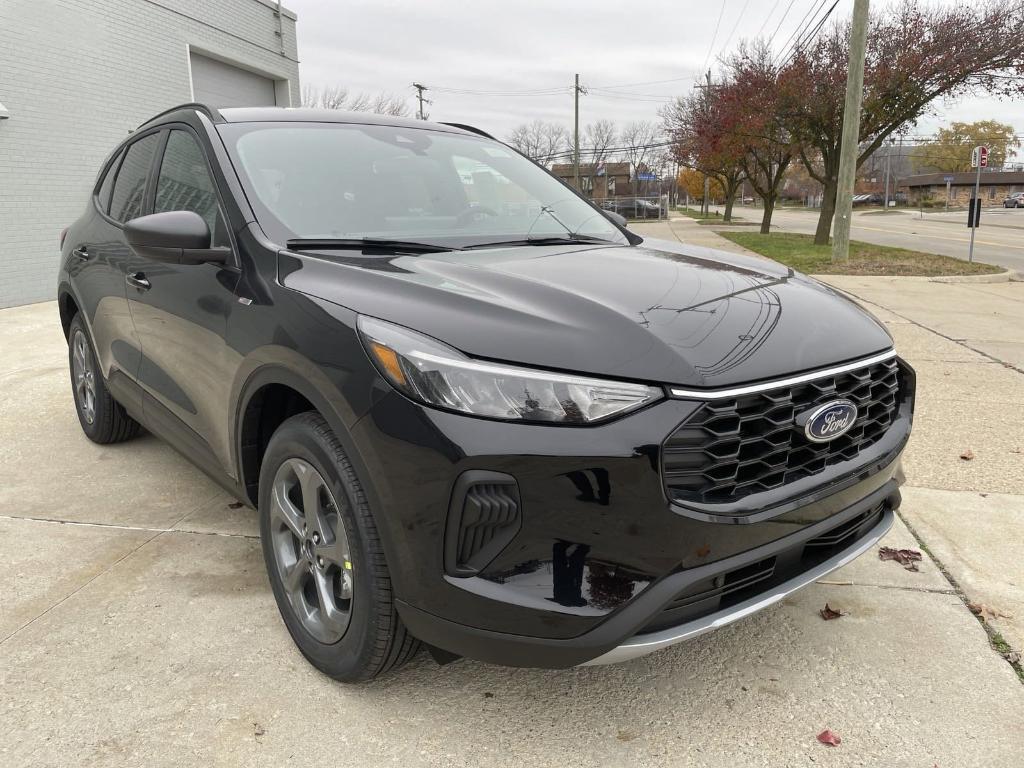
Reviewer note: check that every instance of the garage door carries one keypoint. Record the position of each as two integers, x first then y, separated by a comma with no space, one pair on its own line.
223,85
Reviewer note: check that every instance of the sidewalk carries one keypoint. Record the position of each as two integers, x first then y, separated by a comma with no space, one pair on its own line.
966,342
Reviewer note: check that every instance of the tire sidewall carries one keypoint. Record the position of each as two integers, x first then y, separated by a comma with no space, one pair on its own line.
347,657
91,430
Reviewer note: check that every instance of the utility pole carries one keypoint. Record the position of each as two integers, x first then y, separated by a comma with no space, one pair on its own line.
888,160
851,132
419,95
576,91
706,204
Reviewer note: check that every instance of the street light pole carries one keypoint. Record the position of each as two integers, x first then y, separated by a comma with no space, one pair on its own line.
888,159
851,132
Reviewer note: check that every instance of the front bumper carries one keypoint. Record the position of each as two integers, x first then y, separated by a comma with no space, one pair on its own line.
602,566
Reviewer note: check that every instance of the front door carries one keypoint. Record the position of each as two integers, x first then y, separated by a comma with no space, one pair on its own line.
180,313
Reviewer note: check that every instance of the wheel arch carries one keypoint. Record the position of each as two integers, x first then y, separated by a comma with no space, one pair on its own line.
68,308
269,396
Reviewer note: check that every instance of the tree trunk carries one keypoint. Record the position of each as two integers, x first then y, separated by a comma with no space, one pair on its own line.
766,218
727,215
828,211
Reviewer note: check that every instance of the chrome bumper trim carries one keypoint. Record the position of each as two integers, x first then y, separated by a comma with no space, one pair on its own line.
641,645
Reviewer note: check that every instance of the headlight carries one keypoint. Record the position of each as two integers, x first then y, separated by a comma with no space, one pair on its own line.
435,374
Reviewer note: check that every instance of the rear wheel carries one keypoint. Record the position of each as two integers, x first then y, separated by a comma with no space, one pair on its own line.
324,557
103,419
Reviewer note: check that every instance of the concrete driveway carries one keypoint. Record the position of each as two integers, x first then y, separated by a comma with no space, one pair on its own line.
137,626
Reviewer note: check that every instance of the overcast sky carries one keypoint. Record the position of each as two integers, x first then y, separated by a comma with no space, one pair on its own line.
492,51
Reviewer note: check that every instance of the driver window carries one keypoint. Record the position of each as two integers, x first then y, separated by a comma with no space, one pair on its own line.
185,184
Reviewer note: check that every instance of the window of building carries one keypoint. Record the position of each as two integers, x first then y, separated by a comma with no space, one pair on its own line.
130,187
184,184
586,185
611,186
991,193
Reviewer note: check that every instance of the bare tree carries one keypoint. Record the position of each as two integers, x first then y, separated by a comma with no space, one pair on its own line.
338,97
539,140
637,138
598,139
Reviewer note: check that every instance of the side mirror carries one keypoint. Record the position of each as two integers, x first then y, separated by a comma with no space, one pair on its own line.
617,218
173,237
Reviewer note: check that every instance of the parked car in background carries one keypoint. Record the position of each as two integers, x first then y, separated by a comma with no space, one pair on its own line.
516,433
1014,200
633,207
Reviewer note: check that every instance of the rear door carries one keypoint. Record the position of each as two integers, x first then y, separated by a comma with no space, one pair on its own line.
181,311
100,261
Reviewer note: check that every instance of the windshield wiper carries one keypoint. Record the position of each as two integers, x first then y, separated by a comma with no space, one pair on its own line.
345,243
570,239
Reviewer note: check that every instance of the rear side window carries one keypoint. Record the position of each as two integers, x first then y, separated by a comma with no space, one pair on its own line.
103,195
185,184
130,187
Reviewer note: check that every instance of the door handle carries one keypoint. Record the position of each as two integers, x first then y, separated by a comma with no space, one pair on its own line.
81,253
138,279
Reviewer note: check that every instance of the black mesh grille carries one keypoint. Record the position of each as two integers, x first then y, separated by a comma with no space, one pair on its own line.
735,447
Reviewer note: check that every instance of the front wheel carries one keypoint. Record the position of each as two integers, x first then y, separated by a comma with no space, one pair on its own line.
324,557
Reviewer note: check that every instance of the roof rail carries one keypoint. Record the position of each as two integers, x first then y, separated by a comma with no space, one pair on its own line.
471,129
209,111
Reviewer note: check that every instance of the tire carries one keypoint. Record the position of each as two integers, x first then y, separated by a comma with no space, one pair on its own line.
103,419
333,557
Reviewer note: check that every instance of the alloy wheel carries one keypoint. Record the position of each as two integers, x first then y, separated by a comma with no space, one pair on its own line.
311,550
84,377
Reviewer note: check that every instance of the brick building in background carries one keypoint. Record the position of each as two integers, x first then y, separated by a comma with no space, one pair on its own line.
76,76
995,185
598,182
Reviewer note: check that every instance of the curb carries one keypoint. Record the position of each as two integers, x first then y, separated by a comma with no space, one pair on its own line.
1008,276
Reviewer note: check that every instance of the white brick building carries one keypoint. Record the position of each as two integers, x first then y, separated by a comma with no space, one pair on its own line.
77,75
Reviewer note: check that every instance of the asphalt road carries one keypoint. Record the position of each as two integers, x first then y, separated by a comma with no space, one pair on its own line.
999,240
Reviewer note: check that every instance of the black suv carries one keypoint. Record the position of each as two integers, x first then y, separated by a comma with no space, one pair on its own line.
472,409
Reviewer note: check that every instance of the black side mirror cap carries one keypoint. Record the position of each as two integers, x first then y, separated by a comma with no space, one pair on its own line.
173,237
616,218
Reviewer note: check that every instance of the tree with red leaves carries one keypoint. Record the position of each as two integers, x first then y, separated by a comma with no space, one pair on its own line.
760,97
916,54
704,138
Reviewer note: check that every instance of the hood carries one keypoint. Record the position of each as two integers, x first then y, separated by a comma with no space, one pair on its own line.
660,312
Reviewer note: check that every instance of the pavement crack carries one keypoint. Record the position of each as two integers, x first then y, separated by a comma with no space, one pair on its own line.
116,526
995,640
930,590
960,342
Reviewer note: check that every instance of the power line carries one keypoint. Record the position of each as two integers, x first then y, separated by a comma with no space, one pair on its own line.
711,47
766,18
779,25
806,39
735,26
801,27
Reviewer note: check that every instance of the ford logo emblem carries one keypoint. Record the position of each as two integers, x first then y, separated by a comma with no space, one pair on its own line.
829,421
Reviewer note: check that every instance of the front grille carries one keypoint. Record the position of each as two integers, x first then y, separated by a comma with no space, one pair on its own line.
734,447
732,587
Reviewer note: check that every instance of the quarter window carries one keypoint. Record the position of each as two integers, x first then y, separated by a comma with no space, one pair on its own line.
184,184
103,195
130,188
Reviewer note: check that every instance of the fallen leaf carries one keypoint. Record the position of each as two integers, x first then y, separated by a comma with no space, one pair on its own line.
828,613
235,505
488,695
987,611
625,736
1013,657
257,730
908,558
827,737
967,455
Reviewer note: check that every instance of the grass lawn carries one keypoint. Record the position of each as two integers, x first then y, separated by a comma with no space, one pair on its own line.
696,214
800,253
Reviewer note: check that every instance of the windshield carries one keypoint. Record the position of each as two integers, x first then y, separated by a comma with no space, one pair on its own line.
337,180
